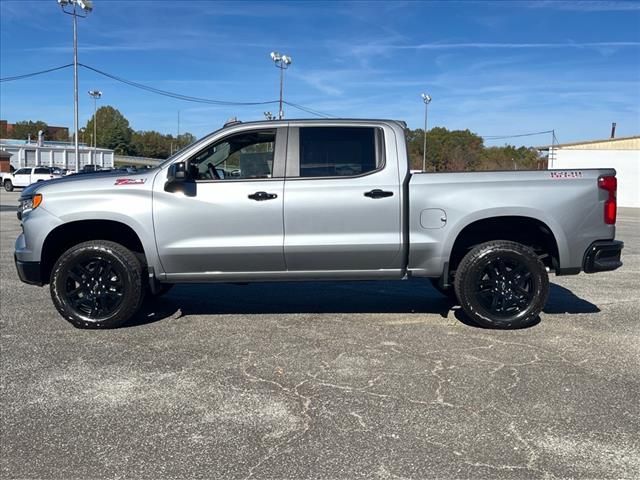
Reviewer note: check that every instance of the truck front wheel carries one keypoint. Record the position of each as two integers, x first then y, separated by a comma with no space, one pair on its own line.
502,284
8,185
97,284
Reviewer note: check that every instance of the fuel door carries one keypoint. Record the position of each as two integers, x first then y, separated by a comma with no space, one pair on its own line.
432,218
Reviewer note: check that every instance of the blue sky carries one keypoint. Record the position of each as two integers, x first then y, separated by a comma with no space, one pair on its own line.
497,68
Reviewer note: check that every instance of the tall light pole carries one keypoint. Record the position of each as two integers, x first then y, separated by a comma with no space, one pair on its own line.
95,94
70,7
426,99
282,62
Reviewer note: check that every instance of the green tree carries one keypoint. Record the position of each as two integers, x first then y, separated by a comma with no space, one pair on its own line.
185,139
156,145
113,130
22,130
150,144
447,150
510,158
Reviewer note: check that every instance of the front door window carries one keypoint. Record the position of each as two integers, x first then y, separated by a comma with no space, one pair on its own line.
246,155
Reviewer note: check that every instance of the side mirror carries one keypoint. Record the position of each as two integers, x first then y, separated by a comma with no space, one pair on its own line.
177,177
177,173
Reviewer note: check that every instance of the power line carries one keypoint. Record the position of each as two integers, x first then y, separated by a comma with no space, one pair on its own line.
167,93
33,74
308,110
499,137
178,96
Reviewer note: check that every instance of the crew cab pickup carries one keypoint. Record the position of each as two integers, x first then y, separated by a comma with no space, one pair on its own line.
313,200
24,177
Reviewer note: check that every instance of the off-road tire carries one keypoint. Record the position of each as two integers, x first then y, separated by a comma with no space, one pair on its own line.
8,185
125,268
527,290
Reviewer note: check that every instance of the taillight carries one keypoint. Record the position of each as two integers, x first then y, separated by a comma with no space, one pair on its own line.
610,184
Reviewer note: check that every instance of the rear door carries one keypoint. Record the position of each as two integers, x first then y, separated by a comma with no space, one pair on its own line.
342,205
40,174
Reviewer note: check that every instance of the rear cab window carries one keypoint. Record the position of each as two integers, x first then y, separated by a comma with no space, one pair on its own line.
339,151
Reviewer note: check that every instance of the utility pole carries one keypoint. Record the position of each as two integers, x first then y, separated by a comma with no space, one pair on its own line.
426,99
282,62
86,6
95,94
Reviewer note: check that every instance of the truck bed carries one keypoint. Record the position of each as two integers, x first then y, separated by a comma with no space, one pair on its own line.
568,202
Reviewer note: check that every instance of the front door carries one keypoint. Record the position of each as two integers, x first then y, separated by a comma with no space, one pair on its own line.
22,177
231,220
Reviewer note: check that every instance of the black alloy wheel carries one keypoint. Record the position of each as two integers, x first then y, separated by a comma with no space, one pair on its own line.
505,287
94,287
502,284
97,284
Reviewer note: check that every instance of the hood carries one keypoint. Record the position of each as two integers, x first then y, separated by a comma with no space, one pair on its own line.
89,181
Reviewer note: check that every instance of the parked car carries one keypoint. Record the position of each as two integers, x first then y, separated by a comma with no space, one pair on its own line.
313,200
127,168
24,177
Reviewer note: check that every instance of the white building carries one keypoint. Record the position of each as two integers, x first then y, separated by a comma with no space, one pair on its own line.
54,154
623,154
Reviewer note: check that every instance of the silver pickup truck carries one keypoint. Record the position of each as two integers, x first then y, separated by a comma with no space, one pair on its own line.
313,200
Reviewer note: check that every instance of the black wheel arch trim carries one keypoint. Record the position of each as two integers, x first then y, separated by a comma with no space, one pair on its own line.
29,272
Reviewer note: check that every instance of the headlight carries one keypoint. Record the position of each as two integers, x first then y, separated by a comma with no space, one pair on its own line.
28,203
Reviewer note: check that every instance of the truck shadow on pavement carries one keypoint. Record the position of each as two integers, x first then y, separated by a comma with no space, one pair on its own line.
410,297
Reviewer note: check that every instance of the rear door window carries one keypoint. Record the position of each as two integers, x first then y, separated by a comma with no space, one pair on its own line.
338,151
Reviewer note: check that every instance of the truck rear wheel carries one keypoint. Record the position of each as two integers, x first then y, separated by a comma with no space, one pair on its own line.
97,284
502,284
8,185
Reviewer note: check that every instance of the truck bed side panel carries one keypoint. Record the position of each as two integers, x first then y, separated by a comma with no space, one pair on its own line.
571,205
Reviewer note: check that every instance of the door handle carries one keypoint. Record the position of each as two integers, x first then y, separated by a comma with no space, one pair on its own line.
377,193
260,196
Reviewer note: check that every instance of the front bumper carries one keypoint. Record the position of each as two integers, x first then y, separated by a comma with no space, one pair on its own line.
602,256
29,272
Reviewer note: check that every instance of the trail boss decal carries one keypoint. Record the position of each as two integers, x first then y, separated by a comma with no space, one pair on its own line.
562,174
130,181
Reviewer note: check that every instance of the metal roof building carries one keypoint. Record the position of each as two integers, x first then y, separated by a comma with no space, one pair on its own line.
622,153
54,154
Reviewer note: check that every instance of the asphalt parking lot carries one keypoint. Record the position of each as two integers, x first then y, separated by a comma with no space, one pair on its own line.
323,380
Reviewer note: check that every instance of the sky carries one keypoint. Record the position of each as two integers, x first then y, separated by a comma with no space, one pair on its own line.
497,68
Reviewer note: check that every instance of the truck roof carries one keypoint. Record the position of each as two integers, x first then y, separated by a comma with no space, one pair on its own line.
313,120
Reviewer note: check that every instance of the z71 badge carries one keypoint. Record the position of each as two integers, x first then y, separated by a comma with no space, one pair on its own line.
130,181
562,174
